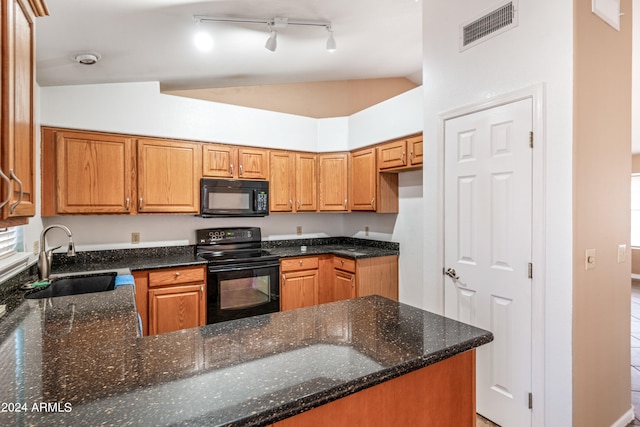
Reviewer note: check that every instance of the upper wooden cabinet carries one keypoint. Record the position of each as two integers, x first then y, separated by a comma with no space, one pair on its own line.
306,182
228,161
17,125
362,182
94,173
168,176
292,182
282,181
333,170
400,154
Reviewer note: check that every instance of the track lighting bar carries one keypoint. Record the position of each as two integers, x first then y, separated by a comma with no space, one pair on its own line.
277,22
273,25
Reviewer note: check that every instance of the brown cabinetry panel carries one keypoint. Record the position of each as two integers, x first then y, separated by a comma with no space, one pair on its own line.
299,289
306,182
281,181
168,176
176,307
94,173
414,145
362,182
219,161
344,285
333,181
17,122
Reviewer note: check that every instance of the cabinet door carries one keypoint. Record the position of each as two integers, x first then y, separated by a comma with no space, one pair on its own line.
306,182
344,285
333,181
281,181
176,307
168,176
299,289
414,145
17,119
363,180
253,163
219,161
93,173
392,154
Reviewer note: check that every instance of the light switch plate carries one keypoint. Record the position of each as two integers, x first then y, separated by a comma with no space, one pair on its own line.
589,259
622,253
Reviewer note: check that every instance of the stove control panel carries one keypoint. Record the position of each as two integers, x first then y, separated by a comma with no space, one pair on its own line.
213,236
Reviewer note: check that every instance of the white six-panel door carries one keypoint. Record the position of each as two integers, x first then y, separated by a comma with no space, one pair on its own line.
488,204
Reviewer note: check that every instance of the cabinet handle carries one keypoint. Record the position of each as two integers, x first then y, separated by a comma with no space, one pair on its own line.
290,204
300,261
201,292
15,205
342,261
403,156
177,273
411,156
127,203
284,280
372,203
298,204
8,181
231,169
240,170
140,204
345,203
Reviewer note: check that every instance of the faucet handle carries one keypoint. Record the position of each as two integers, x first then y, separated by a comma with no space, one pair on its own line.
50,251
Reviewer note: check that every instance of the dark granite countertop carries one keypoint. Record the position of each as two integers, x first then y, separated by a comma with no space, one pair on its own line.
347,247
81,356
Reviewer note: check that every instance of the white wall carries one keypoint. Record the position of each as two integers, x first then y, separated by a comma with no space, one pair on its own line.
539,50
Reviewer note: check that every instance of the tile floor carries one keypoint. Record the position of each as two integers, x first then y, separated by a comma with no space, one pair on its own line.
483,422
635,351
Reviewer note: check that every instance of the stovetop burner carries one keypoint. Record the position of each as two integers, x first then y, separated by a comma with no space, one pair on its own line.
231,245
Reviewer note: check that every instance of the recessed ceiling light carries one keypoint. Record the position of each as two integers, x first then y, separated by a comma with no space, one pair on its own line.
87,58
203,41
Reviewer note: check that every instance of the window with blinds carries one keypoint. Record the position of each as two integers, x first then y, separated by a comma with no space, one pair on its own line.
8,241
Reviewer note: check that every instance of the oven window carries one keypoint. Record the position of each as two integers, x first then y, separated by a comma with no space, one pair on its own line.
225,201
244,292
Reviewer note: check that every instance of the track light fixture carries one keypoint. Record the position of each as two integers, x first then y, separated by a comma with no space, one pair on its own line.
273,25
331,42
272,41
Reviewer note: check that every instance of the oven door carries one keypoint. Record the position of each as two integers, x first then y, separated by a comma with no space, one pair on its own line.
242,290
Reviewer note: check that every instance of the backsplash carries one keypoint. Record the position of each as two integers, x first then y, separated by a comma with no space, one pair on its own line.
345,241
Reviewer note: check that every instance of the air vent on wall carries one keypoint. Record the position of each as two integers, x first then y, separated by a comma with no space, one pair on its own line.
489,25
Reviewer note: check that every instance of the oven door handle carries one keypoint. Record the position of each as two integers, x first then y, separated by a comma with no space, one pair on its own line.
241,268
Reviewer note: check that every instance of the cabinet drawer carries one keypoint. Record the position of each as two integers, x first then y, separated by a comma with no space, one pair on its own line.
302,263
176,276
345,264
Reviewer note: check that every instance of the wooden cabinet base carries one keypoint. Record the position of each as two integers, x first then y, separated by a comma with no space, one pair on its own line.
442,394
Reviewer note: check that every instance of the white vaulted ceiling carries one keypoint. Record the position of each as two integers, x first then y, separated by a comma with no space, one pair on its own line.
152,40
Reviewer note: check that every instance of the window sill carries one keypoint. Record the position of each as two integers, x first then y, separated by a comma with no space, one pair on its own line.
14,264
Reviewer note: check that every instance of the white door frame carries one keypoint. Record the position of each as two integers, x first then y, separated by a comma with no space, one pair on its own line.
536,94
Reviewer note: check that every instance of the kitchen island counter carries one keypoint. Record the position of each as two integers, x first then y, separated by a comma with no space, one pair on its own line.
81,356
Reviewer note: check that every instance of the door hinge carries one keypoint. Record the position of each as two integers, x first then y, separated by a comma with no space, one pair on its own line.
531,139
530,270
530,401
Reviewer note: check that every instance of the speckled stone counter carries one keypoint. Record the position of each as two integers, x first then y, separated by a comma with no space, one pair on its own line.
90,367
129,259
347,247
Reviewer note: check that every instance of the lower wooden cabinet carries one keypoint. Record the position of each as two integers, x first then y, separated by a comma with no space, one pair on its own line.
299,282
170,299
311,280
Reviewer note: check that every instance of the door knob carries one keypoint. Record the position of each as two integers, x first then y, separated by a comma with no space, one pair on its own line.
451,273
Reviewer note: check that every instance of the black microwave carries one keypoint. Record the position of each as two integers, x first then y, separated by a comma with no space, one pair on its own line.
233,197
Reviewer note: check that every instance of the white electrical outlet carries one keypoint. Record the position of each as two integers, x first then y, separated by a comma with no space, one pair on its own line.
135,237
366,231
298,229
36,247
589,259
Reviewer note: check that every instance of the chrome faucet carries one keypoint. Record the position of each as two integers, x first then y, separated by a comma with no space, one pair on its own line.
45,257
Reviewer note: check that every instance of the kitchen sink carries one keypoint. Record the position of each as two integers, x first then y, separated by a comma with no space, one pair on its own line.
75,285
